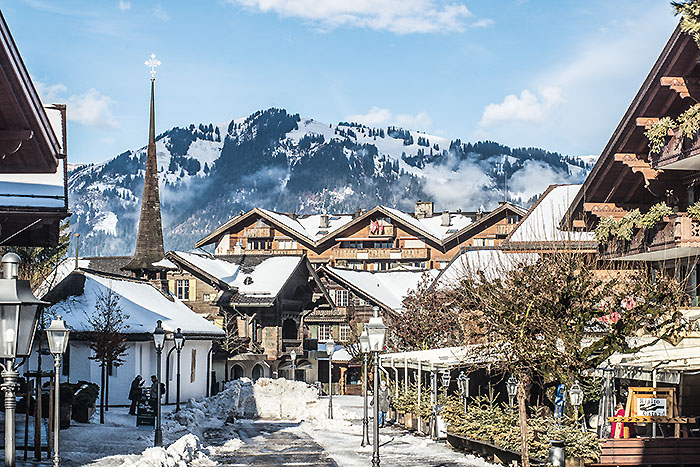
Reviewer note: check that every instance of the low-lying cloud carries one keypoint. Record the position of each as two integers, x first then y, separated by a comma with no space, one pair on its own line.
90,108
377,117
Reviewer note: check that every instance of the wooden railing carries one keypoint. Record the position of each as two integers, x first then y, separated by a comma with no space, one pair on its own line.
380,253
292,344
676,231
675,150
295,252
504,229
384,231
259,232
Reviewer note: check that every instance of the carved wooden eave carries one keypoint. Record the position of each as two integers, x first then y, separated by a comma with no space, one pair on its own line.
684,87
638,165
646,122
602,210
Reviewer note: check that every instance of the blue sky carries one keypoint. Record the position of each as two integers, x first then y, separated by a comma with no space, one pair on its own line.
554,74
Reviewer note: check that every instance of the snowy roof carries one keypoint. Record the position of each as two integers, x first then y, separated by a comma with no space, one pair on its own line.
445,357
142,302
309,226
263,279
433,225
492,262
59,273
388,288
37,190
541,224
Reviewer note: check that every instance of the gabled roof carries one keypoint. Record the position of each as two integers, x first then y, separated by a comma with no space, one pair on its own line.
431,228
540,228
386,289
76,296
29,145
612,181
249,278
492,262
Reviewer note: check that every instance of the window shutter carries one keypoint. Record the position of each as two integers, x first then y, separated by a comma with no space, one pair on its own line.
332,294
171,286
193,289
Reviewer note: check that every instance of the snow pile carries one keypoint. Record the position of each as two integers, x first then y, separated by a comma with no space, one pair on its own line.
186,451
235,401
282,399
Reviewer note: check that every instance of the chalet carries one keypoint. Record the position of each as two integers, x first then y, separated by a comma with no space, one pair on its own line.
379,239
33,190
262,302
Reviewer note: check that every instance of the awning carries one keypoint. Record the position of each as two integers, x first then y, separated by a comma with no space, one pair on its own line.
445,358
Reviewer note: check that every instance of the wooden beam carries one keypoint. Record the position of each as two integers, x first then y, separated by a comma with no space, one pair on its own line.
684,87
646,122
638,165
605,209
579,224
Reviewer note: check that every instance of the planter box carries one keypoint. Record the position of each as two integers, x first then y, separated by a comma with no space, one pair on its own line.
504,456
83,414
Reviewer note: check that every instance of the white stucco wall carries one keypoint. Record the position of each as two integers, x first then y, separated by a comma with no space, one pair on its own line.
140,359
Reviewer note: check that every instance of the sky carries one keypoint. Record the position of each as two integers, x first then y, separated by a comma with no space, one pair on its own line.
553,74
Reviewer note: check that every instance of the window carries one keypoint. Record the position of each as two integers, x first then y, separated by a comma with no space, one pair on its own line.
255,330
206,297
325,332
182,289
512,219
193,366
257,244
344,333
483,242
287,244
341,297
383,244
381,266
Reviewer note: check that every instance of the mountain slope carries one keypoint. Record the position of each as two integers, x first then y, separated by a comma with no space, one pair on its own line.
282,162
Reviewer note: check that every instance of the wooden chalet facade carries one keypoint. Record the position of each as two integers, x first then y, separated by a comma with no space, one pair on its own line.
379,239
629,176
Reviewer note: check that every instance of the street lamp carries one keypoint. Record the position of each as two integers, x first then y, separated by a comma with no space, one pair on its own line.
364,348
576,397
463,385
58,342
330,348
179,343
512,388
158,342
293,356
376,332
19,314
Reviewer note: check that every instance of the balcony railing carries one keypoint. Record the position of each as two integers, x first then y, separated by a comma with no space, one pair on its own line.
271,252
382,231
380,253
673,232
677,149
291,344
259,232
504,229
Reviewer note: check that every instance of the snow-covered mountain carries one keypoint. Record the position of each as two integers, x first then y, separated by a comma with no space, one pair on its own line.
283,162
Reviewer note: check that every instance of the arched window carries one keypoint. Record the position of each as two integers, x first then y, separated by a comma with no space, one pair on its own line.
258,372
237,372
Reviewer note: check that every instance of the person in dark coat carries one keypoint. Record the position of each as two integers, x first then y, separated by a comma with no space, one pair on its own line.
135,393
384,397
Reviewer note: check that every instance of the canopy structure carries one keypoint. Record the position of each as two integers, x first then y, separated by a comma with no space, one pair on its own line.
444,358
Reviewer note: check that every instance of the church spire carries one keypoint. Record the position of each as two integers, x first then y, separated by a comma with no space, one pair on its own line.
149,242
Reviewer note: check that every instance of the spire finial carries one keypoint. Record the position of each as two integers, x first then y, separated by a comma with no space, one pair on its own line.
153,63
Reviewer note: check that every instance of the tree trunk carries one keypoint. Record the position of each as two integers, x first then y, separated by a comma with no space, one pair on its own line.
522,412
102,393
107,392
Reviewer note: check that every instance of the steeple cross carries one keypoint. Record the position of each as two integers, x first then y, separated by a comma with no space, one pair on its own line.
153,63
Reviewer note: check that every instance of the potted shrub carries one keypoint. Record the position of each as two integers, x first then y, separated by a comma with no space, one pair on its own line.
86,395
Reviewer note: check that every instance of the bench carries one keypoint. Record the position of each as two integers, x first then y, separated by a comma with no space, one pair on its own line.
649,451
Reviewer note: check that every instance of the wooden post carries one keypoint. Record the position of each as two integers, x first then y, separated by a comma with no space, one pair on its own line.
49,437
522,413
37,415
28,395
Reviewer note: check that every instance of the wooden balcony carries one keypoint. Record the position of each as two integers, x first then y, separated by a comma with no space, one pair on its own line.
678,153
326,315
504,229
384,231
672,238
380,253
292,344
259,232
296,252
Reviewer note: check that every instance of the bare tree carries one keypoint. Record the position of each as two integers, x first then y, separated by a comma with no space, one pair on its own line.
107,324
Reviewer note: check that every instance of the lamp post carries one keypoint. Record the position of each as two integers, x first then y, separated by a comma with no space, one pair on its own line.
158,342
376,332
57,334
512,388
19,314
179,343
330,348
576,397
463,384
293,357
364,348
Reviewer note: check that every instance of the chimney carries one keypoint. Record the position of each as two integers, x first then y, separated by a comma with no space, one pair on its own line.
293,215
446,221
358,213
423,209
324,224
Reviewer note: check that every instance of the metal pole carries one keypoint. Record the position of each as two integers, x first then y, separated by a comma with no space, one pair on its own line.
330,387
158,437
434,401
177,391
9,385
375,454
294,370
365,418
56,410
653,383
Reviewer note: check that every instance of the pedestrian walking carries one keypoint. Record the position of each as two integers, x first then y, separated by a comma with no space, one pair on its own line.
384,397
135,393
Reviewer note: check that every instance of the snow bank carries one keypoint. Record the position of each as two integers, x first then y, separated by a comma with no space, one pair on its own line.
186,451
282,399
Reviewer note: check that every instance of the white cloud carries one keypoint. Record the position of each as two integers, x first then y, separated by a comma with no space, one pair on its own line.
160,14
528,107
124,5
91,108
377,116
397,16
